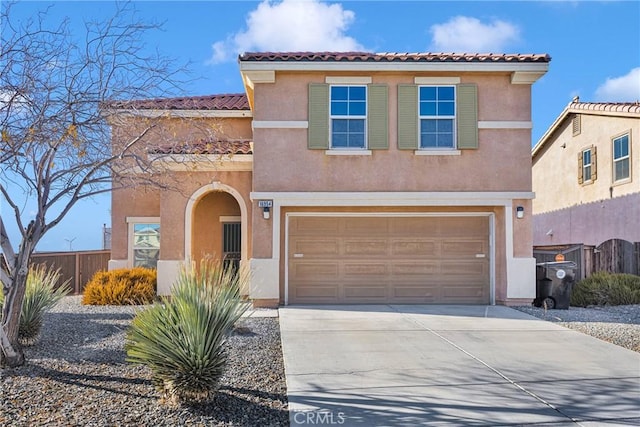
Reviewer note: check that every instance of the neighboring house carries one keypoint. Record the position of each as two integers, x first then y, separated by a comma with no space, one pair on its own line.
348,178
586,176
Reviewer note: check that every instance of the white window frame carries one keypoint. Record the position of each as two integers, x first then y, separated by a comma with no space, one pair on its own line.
585,165
454,117
614,160
348,117
131,222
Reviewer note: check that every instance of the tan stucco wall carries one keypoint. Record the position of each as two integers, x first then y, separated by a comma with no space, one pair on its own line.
207,229
170,202
555,168
283,162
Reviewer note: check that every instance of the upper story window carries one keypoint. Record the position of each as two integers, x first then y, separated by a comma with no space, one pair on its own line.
348,112
146,245
586,165
437,109
621,158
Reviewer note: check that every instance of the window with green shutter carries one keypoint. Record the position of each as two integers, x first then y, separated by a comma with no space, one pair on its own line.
437,117
348,117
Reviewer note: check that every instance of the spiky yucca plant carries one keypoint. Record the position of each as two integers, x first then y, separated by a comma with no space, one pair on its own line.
41,294
182,338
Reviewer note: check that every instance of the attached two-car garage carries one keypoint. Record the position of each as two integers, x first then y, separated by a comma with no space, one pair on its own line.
350,259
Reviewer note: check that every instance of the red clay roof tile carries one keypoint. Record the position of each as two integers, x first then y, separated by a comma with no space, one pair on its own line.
392,57
234,101
205,147
614,107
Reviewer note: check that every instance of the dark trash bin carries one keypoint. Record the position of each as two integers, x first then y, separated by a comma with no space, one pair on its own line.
554,282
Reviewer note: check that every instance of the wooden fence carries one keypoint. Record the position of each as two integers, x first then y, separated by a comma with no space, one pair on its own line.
615,256
78,266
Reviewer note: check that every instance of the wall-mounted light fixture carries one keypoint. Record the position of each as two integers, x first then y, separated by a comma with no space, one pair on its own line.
520,212
266,206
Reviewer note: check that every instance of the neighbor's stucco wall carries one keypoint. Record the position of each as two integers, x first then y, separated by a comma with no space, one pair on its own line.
555,168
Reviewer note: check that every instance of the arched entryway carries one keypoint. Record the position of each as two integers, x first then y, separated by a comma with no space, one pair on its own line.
216,224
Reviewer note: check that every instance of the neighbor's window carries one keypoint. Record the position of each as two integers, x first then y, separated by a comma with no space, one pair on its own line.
586,165
146,245
621,158
437,111
348,116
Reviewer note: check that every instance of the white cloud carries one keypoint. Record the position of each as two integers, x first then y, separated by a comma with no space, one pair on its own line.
291,25
620,89
466,34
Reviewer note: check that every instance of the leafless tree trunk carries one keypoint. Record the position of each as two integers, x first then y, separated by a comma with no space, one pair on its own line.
54,142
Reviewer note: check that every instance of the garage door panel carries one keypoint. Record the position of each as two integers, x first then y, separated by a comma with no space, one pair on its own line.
361,292
410,269
305,271
308,247
389,260
364,226
314,226
463,249
413,248
318,291
365,247
363,269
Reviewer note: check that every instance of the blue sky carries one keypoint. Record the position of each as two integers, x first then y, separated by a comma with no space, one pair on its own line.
595,50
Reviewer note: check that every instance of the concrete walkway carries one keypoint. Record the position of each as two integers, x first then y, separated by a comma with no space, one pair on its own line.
451,365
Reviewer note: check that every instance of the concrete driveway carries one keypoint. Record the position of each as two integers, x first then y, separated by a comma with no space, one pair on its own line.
376,365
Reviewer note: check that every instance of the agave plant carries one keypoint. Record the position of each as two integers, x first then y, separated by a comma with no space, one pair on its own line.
182,338
41,294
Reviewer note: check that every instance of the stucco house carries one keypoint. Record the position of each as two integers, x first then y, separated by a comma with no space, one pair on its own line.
347,178
586,175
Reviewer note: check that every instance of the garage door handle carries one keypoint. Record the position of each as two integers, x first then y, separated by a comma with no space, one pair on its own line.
480,255
298,255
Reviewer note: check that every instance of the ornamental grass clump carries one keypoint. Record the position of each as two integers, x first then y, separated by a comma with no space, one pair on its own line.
182,338
41,294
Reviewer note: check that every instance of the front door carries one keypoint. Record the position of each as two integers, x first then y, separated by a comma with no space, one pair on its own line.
231,239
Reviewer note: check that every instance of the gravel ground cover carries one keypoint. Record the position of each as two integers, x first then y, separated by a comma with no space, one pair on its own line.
76,375
619,325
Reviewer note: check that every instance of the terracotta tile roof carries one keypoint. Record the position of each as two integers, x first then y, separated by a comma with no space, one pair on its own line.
206,147
234,101
391,57
613,107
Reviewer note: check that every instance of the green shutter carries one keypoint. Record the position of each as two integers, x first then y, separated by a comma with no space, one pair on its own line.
467,116
318,138
407,117
378,117
594,163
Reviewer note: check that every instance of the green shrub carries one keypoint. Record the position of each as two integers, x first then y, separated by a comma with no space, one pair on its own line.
604,288
126,286
41,294
182,338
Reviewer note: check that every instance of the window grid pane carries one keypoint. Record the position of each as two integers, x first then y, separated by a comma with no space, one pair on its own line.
437,109
146,245
348,116
621,158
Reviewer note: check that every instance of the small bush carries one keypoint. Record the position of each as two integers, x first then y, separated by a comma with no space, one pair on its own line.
182,338
41,294
604,288
126,286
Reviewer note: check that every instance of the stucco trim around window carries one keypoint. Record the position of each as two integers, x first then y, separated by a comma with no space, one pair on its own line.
339,152
445,152
436,80
351,80
280,124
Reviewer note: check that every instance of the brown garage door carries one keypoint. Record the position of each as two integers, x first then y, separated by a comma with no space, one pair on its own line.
347,260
